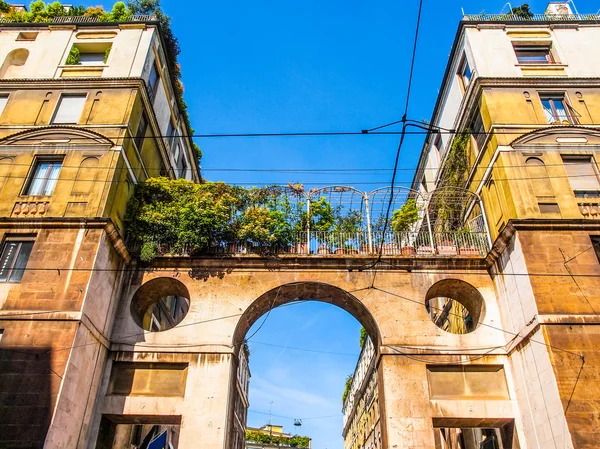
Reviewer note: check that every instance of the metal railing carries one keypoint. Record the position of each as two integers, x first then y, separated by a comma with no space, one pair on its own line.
315,243
88,19
533,18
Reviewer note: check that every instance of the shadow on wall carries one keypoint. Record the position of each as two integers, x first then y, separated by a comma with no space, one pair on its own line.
11,66
28,390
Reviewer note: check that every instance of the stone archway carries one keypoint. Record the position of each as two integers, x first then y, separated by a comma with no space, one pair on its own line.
294,291
285,294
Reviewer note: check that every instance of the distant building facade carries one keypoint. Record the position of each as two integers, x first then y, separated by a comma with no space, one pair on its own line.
273,437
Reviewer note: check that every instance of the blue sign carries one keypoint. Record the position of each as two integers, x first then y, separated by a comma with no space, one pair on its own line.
160,442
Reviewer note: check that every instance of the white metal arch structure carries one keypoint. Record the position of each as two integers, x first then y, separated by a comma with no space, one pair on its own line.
417,238
458,219
350,226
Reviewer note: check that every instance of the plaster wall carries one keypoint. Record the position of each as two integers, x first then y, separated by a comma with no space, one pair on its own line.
494,56
49,51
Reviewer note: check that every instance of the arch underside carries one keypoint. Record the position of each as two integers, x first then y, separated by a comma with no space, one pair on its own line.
300,291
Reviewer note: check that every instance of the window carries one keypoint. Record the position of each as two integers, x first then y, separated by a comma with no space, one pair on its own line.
141,131
556,109
464,72
596,245
169,137
582,175
69,109
91,58
477,129
15,253
3,101
537,54
153,80
438,143
44,176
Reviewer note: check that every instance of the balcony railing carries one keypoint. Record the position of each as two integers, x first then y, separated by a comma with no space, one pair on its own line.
391,222
533,18
88,19
315,243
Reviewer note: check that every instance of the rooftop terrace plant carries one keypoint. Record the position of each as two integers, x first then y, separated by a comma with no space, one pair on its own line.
40,12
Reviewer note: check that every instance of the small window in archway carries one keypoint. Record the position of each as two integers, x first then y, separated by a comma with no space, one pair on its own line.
160,304
454,306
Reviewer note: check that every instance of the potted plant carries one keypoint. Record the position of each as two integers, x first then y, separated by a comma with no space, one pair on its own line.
403,220
466,247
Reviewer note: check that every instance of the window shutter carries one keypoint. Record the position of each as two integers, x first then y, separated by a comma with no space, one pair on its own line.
582,174
69,109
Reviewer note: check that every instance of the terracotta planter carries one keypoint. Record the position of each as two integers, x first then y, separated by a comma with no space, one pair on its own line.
323,249
407,251
340,251
301,248
422,250
364,249
352,251
469,252
390,249
447,249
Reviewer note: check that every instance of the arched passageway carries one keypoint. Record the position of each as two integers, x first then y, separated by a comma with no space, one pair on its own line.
297,291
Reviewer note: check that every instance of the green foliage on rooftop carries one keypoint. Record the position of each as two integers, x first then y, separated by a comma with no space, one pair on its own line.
298,441
197,218
522,11
40,12
405,217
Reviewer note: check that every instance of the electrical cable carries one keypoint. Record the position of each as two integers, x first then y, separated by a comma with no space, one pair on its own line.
318,351
402,137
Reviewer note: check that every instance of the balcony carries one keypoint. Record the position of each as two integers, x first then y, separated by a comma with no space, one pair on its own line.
334,221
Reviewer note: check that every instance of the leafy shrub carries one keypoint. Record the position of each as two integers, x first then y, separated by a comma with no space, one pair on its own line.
73,58
347,387
363,337
405,217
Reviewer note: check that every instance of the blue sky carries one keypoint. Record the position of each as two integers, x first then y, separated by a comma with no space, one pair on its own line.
303,384
275,66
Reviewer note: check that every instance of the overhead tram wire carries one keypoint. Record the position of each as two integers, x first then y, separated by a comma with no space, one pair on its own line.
367,289
403,120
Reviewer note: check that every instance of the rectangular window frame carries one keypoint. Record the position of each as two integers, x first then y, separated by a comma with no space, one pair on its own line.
154,87
20,239
476,127
589,158
544,50
4,97
59,103
32,173
464,73
141,131
552,98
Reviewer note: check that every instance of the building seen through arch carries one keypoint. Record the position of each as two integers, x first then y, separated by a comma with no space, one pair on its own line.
483,314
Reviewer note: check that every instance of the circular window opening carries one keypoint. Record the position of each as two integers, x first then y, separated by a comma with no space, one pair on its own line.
455,306
160,304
